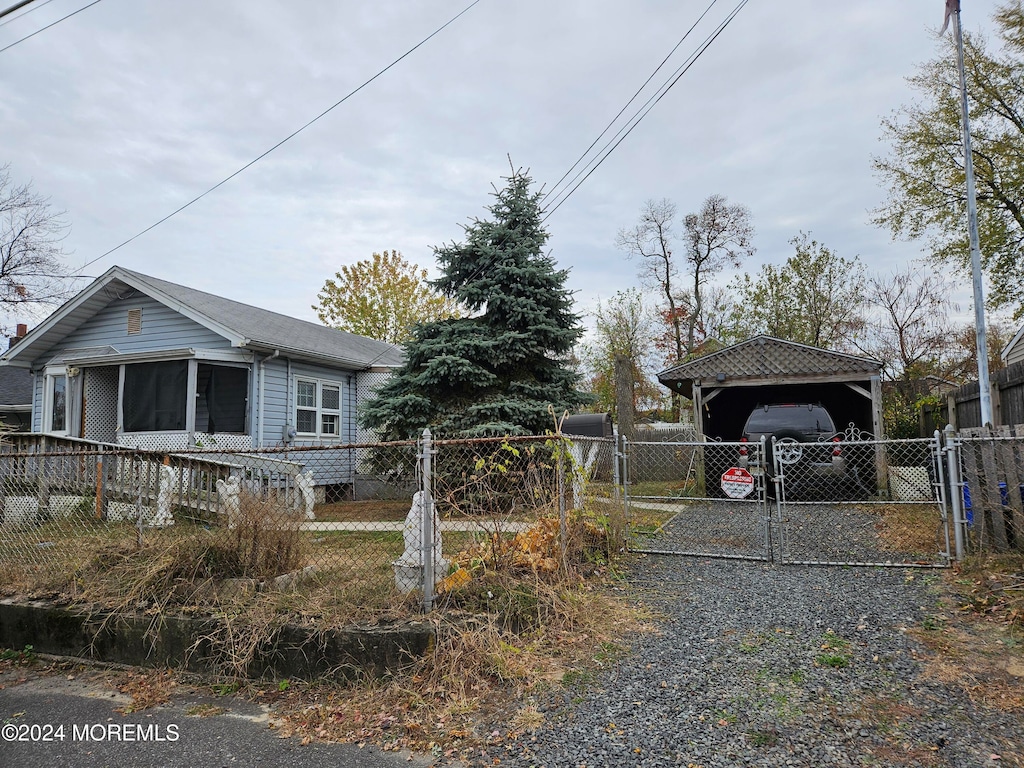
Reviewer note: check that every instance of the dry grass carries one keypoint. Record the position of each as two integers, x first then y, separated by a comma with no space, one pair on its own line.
976,642
181,566
914,529
510,631
503,641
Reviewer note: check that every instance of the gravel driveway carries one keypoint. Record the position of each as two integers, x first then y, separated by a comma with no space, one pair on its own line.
767,665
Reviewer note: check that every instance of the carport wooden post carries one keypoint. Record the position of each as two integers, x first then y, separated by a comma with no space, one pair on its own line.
698,423
878,429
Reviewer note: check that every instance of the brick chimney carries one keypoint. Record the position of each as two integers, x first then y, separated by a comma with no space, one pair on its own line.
19,335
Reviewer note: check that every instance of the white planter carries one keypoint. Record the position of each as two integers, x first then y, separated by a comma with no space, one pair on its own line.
410,577
63,506
124,511
910,483
21,510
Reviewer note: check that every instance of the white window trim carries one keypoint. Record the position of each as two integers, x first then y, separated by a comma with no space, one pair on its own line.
320,410
52,372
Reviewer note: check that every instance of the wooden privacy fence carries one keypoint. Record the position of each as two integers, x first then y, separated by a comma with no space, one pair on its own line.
992,466
964,404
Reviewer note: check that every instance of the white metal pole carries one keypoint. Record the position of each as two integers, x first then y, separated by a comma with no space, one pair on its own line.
984,386
427,523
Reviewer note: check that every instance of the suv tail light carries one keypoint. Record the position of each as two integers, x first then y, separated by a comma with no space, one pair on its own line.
837,449
743,448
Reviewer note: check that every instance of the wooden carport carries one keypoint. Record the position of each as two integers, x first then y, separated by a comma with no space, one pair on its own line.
727,385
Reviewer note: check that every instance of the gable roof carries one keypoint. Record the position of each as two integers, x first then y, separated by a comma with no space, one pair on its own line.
766,357
245,326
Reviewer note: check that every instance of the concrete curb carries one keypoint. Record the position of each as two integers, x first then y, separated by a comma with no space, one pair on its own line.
183,642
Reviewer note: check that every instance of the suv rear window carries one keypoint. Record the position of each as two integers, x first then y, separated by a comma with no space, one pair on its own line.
812,418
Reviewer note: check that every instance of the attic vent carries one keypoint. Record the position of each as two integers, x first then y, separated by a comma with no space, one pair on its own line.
134,321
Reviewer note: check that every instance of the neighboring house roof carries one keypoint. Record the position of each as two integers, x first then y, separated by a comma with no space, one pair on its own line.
765,359
246,326
15,389
1011,346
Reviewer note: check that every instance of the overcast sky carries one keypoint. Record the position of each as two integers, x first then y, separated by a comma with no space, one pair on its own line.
130,109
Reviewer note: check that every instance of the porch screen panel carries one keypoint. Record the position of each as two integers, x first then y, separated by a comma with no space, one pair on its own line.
154,396
221,398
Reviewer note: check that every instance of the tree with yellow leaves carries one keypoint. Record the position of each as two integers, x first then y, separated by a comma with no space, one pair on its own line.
383,298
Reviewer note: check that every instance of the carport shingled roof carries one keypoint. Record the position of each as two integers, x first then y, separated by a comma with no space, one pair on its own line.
765,357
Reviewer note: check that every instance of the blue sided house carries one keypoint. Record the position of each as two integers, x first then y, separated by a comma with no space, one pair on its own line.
145,363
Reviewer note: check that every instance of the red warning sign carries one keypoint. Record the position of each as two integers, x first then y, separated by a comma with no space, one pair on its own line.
737,483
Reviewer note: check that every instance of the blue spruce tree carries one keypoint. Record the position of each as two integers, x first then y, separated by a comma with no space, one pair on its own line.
496,371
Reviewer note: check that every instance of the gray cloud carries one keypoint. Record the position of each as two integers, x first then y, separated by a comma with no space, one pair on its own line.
128,110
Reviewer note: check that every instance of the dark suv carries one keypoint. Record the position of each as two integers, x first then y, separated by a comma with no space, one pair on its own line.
806,447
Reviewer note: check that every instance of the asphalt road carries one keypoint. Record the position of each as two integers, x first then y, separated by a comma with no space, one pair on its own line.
48,720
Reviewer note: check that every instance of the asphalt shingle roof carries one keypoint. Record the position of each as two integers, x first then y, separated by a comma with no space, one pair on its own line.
15,386
273,330
765,356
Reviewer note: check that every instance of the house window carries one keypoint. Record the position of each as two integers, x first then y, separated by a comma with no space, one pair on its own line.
318,407
55,408
154,397
222,398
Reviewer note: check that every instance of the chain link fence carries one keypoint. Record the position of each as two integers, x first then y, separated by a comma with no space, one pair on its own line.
845,500
91,520
369,523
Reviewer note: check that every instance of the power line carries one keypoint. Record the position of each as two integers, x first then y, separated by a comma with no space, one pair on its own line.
15,7
58,21
286,139
631,100
623,132
662,90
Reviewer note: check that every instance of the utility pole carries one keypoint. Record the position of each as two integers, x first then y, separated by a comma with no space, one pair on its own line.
984,385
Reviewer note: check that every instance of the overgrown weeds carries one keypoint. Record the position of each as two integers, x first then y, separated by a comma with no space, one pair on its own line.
510,631
262,542
980,648
502,645
992,586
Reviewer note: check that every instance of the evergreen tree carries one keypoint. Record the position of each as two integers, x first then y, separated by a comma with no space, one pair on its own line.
497,371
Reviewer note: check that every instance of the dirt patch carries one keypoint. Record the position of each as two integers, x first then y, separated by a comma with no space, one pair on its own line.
362,511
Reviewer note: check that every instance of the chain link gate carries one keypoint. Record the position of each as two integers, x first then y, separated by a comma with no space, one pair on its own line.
854,500
850,500
675,501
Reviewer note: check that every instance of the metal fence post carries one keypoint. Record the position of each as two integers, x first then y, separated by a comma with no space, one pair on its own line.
427,523
940,488
616,458
563,525
625,482
956,485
